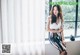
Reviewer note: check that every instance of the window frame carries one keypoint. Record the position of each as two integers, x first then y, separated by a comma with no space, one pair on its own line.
76,21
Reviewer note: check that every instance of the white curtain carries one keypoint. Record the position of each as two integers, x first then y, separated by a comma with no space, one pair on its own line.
22,24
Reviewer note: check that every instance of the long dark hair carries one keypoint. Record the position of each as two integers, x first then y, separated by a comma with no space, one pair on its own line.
53,17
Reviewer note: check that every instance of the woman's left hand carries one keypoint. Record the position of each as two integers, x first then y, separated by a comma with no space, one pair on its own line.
60,30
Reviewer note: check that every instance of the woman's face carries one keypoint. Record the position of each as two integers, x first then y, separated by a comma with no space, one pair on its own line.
55,11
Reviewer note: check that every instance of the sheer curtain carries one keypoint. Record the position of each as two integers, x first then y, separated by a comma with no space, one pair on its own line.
22,24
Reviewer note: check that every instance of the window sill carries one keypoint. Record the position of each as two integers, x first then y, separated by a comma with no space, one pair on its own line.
66,40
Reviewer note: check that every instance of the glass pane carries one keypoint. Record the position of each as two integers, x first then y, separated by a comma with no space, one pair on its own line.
46,8
46,15
56,0
69,28
78,29
70,0
79,11
46,34
64,0
68,12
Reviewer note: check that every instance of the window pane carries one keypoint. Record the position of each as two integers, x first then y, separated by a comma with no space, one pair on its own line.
46,15
64,0
68,12
46,34
56,0
79,11
78,29
46,8
69,28
70,0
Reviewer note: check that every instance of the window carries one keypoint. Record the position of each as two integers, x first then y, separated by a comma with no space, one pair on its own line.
70,19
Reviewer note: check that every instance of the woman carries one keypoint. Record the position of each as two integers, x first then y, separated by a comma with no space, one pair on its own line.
55,27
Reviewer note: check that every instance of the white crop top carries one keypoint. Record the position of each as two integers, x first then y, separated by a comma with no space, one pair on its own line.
55,26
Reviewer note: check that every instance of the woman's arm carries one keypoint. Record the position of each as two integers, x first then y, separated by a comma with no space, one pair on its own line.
62,33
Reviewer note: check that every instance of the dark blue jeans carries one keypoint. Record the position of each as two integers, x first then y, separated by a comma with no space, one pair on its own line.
55,38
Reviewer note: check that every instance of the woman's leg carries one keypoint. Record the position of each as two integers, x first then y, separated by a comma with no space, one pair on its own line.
63,52
60,52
